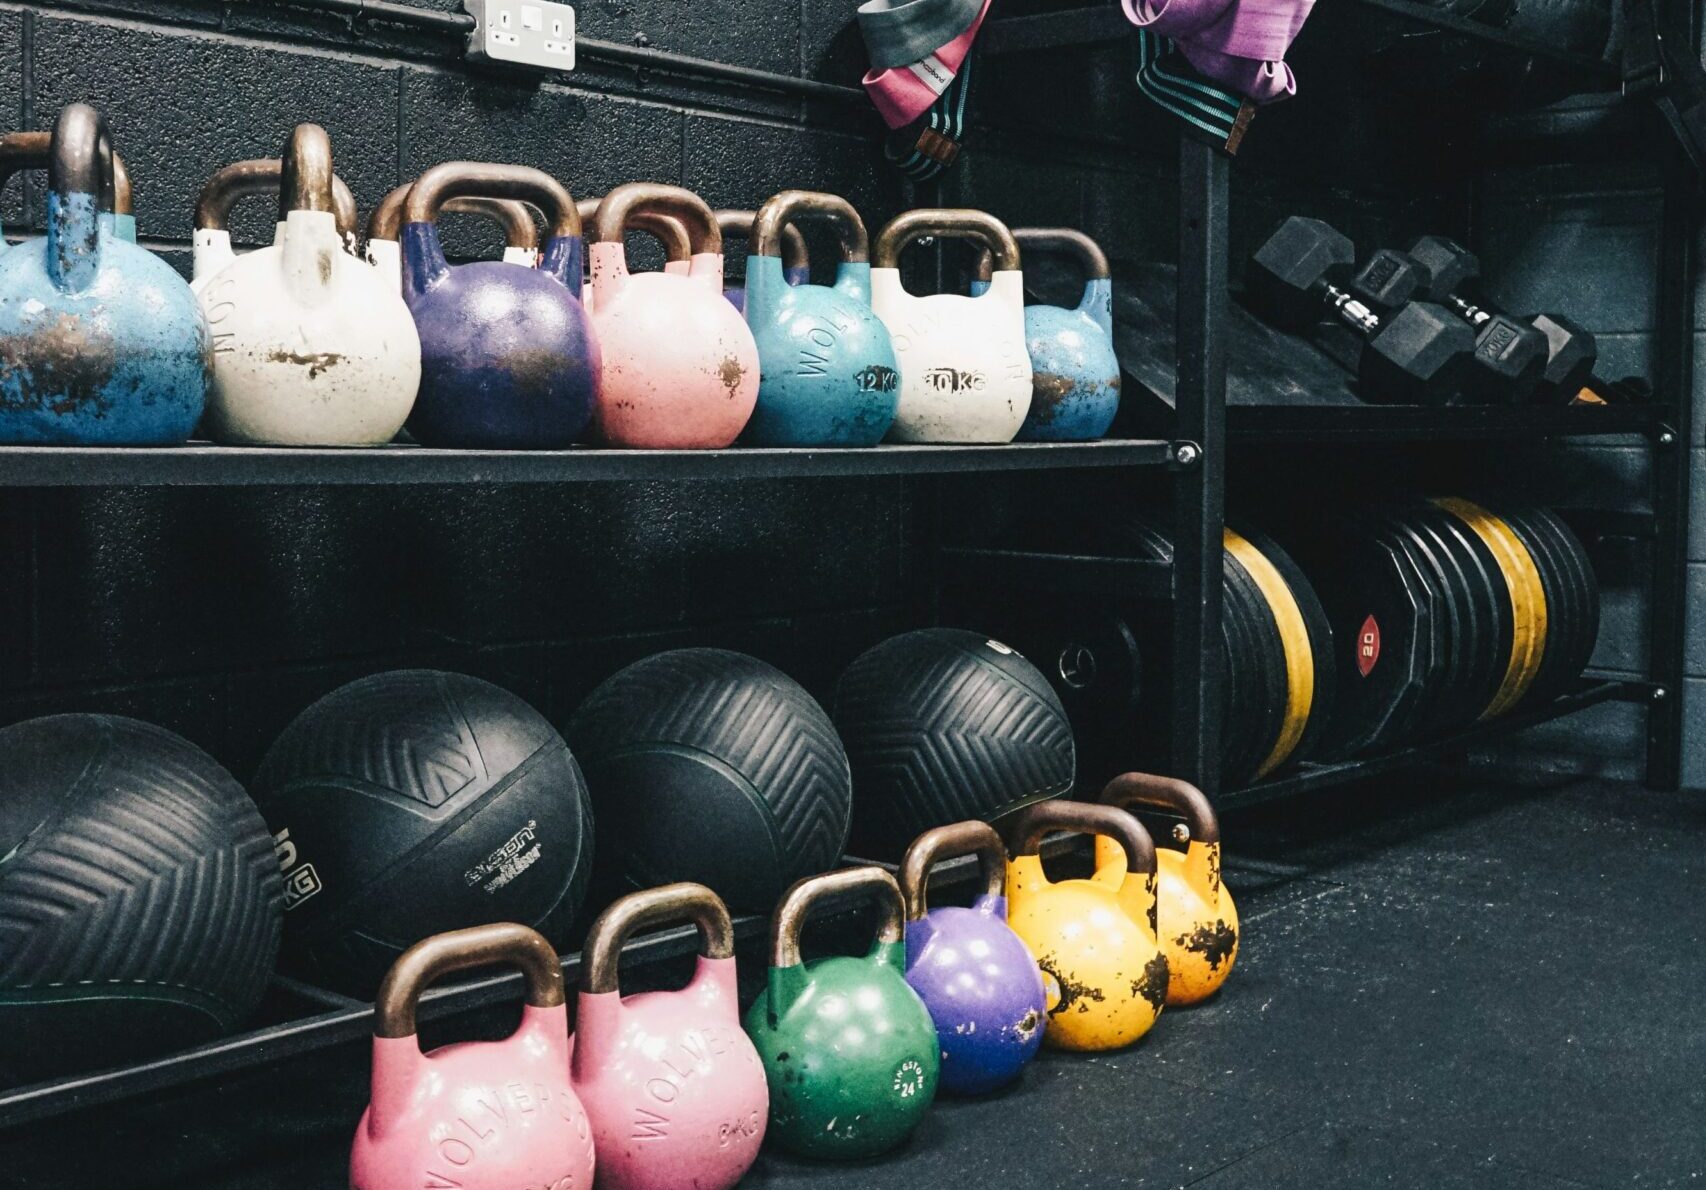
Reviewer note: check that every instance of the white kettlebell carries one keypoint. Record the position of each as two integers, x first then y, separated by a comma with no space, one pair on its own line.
514,217
211,247
311,346
965,375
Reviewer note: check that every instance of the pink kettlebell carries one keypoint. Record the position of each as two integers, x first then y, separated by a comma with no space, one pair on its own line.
668,231
478,1115
673,1087
680,365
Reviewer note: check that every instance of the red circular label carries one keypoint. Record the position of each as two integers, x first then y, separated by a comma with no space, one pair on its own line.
1368,646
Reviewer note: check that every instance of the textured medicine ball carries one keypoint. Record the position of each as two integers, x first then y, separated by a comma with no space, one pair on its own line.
414,802
712,766
943,725
139,899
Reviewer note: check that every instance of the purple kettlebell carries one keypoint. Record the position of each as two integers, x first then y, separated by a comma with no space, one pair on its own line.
978,979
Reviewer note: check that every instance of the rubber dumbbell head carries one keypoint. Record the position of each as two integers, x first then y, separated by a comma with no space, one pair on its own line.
1418,357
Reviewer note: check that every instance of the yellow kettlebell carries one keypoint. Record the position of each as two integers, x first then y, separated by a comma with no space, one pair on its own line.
1199,923
1095,940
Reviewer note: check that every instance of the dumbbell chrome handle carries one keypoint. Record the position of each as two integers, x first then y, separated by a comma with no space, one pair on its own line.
1474,315
1351,310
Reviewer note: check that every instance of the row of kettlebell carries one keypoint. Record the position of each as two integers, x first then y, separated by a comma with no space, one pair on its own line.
841,1056
302,343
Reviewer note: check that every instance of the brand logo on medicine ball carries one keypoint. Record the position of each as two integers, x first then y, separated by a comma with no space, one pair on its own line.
954,380
877,379
1368,646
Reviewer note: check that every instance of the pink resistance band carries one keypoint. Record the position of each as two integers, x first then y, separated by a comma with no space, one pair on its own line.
904,93
1240,43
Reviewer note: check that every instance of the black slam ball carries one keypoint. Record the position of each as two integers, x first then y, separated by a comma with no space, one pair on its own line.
712,766
414,802
139,900
943,725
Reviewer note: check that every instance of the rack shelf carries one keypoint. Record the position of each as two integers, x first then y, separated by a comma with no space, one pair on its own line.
205,465
1410,423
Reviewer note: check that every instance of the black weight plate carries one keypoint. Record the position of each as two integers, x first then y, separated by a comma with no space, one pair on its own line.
1451,631
1270,677
1587,635
1377,673
1484,589
1475,659
1575,643
1320,640
1242,709
1560,601
1409,722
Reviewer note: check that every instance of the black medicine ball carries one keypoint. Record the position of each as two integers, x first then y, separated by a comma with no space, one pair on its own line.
712,766
139,899
943,725
414,802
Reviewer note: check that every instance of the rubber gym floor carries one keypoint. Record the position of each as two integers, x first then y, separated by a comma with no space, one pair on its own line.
1445,982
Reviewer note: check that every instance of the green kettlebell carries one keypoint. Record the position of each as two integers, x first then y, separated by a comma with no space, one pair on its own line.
848,1048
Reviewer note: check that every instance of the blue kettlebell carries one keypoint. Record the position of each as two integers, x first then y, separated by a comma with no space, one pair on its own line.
977,978
508,357
795,266
1075,378
826,365
28,150
101,342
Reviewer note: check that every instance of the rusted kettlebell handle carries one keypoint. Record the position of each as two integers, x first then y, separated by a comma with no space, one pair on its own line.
1026,830
261,175
741,225
28,150
1165,793
664,906
305,171
515,218
951,222
948,842
478,179
619,210
666,229
80,154
797,902
433,958
1068,241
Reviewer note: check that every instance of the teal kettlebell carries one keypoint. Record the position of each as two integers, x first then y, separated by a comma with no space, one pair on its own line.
737,225
28,150
1075,377
105,343
827,370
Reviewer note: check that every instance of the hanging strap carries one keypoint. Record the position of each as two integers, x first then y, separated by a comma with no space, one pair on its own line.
930,144
1209,112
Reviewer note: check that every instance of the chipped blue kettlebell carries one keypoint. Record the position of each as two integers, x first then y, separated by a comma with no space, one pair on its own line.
508,355
28,150
827,370
101,342
1075,378
795,267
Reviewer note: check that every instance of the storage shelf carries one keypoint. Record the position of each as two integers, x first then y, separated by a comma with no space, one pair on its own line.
206,465
1308,777
1409,423
1430,17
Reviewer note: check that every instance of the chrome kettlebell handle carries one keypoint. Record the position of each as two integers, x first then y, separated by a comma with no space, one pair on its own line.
666,229
621,208
433,958
1165,793
789,919
971,837
654,907
1026,829
952,222
1068,241
477,179
742,225
260,175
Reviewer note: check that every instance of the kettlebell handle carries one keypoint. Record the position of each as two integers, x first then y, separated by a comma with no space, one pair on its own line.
305,171
28,150
476,179
1165,793
1068,241
791,912
953,222
666,229
515,218
775,219
618,210
433,958
80,155
1026,830
946,842
260,175
664,906
741,224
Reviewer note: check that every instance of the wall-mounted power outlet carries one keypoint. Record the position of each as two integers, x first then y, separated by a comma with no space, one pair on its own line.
534,33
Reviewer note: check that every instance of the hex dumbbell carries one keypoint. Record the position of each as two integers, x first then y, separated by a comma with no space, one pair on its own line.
1571,352
1418,354
1510,358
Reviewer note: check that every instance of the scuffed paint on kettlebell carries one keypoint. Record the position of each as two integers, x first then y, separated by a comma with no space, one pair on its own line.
101,342
28,150
667,230
211,245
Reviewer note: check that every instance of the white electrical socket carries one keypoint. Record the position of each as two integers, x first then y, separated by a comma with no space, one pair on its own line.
535,33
